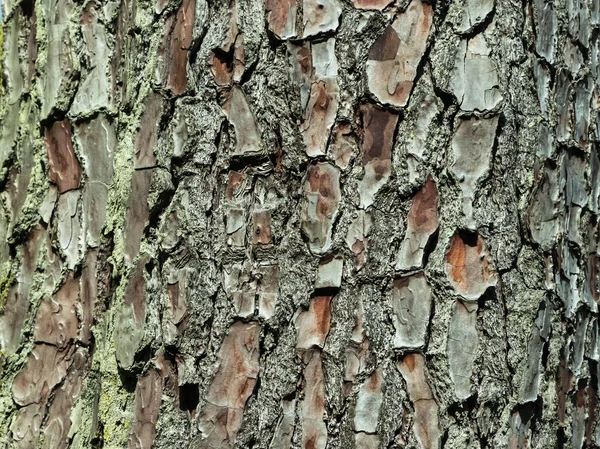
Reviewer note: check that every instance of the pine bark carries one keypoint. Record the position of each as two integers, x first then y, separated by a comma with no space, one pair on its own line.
299,224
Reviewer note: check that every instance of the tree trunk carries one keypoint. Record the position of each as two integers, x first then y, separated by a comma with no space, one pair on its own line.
299,224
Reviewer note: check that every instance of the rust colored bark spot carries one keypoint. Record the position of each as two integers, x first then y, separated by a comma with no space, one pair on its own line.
469,265
64,169
181,39
409,361
305,60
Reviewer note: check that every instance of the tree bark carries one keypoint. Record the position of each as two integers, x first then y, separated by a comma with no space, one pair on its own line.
299,224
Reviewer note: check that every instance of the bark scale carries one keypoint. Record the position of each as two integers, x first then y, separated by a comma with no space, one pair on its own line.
299,224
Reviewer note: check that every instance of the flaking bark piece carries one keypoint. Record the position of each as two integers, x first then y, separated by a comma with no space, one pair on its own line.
313,324
64,169
56,321
97,142
131,317
378,5
322,197
474,79
542,215
137,213
181,40
148,394
357,237
314,430
16,305
46,367
546,30
58,425
26,426
146,138
472,145
88,292
532,372
282,439
426,111
69,226
463,341
261,227
379,127
231,387
323,101
422,223
93,91
474,13
469,266
281,18
320,16
426,424
343,145
247,134
268,290
411,302
56,76
329,273
395,56
368,403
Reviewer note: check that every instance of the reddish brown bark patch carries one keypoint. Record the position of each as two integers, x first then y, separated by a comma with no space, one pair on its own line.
148,394
313,324
146,138
64,169
426,424
396,55
422,216
135,292
261,231
386,46
422,223
322,198
314,431
379,126
57,322
181,39
281,17
45,368
231,386
469,265
137,212
371,4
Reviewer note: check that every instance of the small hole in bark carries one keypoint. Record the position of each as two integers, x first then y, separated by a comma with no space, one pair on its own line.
189,397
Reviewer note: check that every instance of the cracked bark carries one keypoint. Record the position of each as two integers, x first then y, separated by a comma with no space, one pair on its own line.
310,224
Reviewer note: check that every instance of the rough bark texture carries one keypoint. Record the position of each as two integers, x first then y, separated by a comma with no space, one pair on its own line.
299,224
